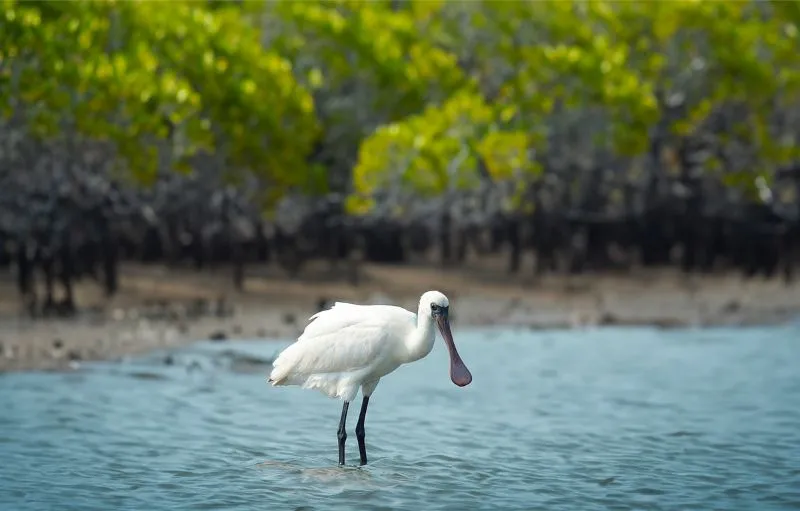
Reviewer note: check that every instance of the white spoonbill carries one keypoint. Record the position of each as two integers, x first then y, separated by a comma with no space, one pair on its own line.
350,346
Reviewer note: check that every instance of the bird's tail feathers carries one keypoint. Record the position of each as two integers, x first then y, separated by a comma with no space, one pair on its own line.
276,378
281,369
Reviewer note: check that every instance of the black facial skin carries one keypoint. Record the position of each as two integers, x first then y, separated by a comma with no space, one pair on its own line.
438,310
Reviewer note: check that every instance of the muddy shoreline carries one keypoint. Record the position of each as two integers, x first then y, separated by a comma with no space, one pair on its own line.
162,308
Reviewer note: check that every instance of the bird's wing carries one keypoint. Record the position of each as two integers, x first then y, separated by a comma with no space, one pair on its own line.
343,314
343,339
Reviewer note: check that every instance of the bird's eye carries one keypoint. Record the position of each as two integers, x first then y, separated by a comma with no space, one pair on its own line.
434,307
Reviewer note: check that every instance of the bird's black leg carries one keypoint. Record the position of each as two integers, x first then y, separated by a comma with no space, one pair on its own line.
362,447
342,434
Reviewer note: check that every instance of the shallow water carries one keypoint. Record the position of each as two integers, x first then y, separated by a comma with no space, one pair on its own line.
603,419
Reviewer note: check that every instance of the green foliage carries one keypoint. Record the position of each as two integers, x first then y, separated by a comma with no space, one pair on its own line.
441,149
367,64
607,71
135,73
422,96
367,41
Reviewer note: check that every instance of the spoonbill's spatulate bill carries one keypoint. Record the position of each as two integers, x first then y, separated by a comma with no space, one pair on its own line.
350,346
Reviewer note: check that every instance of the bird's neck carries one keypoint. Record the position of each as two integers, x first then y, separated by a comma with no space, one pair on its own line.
420,343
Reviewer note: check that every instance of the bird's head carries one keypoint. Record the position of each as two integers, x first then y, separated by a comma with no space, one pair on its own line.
436,302
438,306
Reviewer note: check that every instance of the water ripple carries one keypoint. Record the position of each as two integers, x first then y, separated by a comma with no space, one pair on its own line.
602,419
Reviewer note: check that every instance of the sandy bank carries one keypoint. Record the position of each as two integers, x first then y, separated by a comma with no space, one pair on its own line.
160,308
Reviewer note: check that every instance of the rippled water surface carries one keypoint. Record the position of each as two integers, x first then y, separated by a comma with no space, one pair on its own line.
605,419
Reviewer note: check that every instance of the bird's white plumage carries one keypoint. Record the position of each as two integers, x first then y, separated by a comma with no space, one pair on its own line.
350,346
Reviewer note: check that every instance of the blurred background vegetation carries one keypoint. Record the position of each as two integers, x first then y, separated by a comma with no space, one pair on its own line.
425,96
385,103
